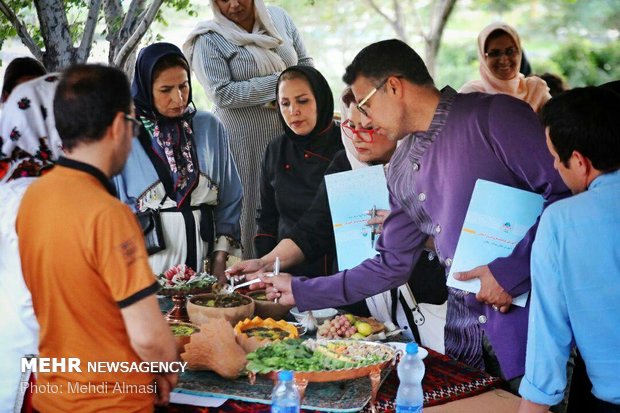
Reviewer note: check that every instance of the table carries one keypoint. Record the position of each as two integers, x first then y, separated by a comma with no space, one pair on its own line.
449,386
492,401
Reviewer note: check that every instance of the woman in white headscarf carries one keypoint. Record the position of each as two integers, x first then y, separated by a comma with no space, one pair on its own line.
237,57
29,145
500,55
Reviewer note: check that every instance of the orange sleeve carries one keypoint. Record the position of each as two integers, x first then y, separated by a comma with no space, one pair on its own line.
124,263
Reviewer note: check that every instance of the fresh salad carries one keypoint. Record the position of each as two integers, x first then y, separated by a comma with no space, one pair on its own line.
182,278
316,355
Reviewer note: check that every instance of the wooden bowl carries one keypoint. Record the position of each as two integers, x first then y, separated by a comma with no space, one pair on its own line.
198,314
182,339
264,308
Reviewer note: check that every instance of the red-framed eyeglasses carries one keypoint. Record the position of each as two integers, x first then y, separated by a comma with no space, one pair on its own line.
366,135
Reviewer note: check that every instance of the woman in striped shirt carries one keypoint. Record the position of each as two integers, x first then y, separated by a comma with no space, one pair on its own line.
237,57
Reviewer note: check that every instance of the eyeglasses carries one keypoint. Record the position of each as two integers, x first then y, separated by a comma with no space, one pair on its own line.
136,125
360,106
366,135
497,53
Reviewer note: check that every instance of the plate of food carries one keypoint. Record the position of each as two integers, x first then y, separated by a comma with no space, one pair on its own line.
182,280
348,326
258,332
321,360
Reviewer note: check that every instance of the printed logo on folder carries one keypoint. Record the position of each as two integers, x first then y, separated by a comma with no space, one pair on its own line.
498,218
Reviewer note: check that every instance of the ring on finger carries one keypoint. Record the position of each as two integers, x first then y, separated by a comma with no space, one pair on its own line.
496,308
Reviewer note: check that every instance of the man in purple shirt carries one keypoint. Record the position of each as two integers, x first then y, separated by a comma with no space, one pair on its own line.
448,141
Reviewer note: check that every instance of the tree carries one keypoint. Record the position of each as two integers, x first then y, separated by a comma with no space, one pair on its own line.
437,17
58,42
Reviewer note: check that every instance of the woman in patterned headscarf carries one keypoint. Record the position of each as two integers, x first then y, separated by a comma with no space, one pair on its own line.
29,145
181,166
500,54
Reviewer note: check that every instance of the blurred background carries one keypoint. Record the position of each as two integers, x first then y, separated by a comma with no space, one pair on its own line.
578,40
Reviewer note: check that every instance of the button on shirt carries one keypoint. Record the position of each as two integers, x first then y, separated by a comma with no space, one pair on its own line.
505,143
575,291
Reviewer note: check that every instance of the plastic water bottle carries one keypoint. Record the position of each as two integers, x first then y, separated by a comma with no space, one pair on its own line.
410,398
285,396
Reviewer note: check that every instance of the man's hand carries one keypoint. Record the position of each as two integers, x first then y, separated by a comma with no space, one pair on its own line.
279,287
490,291
165,383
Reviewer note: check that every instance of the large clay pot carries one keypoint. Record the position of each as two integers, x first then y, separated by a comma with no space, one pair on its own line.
198,314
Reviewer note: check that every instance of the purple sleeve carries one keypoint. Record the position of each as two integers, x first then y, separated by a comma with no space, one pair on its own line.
398,247
518,139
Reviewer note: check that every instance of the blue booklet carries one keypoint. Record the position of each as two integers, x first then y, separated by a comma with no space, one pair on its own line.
498,218
351,195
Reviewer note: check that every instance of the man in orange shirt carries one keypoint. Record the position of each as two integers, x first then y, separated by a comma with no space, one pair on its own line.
84,261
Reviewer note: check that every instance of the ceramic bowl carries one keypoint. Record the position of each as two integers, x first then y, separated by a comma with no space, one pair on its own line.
319,315
199,312
264,308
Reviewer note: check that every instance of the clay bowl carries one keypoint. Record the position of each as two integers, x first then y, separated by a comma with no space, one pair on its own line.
181,332
264,308
199,312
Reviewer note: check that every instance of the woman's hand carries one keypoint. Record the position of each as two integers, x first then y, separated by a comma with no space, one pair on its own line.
279,287
377,221
250,269
218,265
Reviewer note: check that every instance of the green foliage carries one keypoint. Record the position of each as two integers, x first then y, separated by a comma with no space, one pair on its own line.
457,64
583,63
77,12
176,5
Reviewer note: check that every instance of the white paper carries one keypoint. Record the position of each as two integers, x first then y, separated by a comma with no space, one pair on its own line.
196,400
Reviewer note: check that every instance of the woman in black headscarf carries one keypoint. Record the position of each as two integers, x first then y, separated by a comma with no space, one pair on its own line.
180,167
295,162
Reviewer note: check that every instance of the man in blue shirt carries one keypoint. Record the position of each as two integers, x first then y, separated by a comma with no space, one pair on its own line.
575,263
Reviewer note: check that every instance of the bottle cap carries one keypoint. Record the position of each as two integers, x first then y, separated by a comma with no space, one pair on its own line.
287,375
412,348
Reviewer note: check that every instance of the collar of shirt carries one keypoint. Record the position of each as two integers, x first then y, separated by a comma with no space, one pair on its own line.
89,169
605,179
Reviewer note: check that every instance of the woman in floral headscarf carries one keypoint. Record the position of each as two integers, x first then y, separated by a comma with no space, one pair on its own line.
500,54
29,145
181,166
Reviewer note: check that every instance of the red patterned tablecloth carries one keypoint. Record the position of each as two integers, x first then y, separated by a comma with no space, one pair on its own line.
445,380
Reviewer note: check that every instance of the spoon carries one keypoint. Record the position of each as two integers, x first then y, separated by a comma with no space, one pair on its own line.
229,288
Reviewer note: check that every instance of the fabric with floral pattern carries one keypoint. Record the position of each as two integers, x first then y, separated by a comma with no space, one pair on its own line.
28,138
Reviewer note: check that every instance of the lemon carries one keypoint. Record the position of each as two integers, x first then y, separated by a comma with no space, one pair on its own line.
358,336
364,329
351,318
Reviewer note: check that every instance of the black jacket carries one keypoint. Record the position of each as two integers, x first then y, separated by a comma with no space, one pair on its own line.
291,175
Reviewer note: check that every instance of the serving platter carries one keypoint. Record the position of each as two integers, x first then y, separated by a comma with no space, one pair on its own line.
372,371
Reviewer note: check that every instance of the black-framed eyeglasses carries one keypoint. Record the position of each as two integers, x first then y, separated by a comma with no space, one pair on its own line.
366,135
360,105
136,125
497,53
